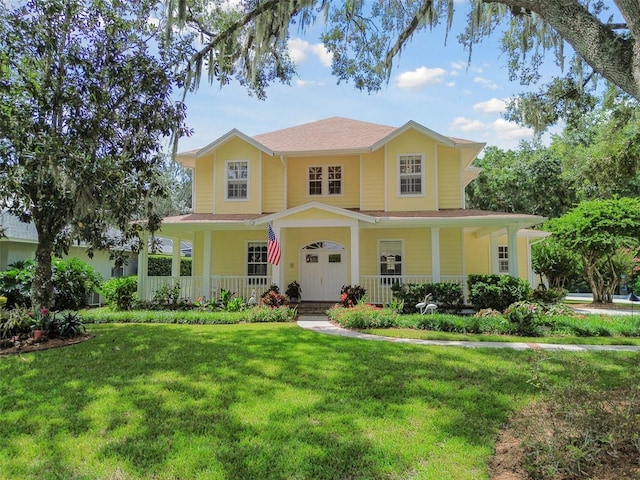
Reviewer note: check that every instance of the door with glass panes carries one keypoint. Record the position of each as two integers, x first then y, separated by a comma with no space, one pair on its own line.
323,271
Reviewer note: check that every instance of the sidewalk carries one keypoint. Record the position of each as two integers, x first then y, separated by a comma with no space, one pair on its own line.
633,307
321,324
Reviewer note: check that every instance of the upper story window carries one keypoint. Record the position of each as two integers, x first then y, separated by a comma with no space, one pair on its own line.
410,174
238,180
325,180
503,259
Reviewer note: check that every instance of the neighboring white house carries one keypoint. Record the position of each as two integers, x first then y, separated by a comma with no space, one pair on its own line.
22,238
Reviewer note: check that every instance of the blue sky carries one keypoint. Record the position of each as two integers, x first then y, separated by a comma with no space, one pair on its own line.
432,84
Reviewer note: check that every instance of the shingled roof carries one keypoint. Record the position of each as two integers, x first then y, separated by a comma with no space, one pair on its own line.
335,133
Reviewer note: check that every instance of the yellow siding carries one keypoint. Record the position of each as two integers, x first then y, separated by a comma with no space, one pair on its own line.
315,214
273,190
411,142
417,249
372,184
229,250
477,253
203,184
449,178
237,149
298,181
451,251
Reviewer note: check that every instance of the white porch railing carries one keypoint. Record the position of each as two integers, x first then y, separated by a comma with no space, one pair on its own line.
378,287
379,291
192,288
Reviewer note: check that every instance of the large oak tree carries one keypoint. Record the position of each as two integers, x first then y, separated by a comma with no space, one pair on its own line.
85,109
366,37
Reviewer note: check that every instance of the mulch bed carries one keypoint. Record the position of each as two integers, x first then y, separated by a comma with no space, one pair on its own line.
31,345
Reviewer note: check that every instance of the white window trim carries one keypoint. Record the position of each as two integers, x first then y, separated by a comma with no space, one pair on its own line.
422,175
503,259
325,181
246,259
402,254
226,180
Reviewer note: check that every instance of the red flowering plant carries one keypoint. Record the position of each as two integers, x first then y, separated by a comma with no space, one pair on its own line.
351,295
41,319
273,298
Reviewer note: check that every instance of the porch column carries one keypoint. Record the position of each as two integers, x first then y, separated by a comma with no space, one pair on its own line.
206,267
495,264
276,271
435,254
143,266
175,257
355,254
512,243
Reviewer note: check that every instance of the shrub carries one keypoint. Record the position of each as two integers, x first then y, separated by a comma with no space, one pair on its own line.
73,280
448,296
263,313
524,318
497,291
273,298
548,296
66,325
3,302
15,322
350,296
121,293
363,315
167,296
160,266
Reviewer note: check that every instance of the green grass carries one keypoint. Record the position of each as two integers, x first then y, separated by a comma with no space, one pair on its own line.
264,401
480,337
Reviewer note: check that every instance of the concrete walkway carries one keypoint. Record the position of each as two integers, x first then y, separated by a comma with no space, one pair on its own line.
321,324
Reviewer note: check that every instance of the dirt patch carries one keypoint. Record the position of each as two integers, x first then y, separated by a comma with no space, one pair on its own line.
36,346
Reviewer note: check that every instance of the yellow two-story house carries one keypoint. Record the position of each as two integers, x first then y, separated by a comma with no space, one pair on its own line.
349,202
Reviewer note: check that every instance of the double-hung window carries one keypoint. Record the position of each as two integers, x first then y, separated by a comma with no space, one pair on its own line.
390,259
411,174
257,263
237,180
325,180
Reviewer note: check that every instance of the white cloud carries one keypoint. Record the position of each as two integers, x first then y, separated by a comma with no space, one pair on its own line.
300,49
486,83
307,83
450,84
420,77
467,125
494,105
511,131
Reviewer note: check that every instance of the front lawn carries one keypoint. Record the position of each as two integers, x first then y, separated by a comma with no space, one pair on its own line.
266,401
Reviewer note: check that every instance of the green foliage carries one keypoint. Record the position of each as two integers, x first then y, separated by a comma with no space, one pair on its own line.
3,302
73,281
351,295
496,291
600,231
294,290
260,313
15,322
448,296
548,296
524,318
561,265
167,296
362,316
101,117
160,266
66,325
121,293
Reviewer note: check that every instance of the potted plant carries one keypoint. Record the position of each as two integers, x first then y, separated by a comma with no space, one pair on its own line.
294,292
41,323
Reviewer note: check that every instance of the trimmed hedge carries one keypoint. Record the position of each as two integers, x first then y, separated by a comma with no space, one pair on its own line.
497,291
448,296
160,266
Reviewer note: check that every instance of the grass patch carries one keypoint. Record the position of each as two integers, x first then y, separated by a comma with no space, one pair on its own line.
264,401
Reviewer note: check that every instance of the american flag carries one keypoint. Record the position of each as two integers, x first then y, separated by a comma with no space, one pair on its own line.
273,248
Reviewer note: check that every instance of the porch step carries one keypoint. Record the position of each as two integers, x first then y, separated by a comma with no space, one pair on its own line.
314,308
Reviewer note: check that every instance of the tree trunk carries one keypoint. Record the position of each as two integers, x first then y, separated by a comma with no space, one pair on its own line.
42,286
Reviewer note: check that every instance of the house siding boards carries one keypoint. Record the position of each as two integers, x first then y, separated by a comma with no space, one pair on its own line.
449,178
369,208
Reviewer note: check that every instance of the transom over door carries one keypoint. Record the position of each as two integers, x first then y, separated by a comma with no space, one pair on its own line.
323,271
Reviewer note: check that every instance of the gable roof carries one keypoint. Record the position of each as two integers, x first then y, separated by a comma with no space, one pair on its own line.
335,135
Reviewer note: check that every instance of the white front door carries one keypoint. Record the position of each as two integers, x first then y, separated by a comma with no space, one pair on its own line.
323,271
